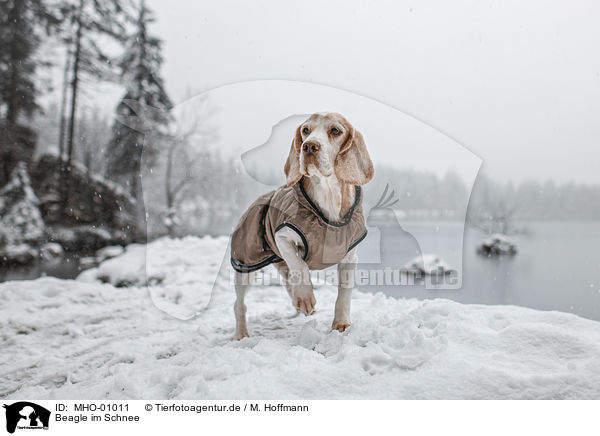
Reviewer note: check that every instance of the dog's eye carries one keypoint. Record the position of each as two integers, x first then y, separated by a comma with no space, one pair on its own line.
335,131
306,131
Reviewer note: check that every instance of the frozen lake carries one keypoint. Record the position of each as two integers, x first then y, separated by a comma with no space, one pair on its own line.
557,267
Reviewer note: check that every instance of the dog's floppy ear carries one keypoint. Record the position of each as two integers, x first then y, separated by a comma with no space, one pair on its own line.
353,164
292,165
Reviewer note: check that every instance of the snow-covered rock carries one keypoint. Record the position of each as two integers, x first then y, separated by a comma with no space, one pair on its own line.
83,238
91,200
20,218
86,262
126,270
51,251
21,225
17,254
497,244
430,264
109,252
179,272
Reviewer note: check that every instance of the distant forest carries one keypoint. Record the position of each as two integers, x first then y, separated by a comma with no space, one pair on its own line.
420,192
203,207
193,188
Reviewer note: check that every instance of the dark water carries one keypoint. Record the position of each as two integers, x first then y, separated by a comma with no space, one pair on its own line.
67,267
557,268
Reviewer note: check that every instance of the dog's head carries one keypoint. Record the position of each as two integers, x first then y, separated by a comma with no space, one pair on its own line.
327,144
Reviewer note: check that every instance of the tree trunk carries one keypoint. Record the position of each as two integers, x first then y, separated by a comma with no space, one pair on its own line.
134,184
168,182
63,106
12,111
65,169
74,88
10,157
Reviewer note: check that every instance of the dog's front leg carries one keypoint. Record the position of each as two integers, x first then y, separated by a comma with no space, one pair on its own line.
239,307
346,268
289,245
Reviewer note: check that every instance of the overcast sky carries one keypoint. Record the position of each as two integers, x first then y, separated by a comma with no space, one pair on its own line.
516,82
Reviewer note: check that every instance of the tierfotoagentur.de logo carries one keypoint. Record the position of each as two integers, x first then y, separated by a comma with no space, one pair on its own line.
26,416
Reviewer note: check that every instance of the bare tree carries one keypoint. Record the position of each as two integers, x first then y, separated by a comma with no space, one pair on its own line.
92,129
497,218
186,148
89,19
493,207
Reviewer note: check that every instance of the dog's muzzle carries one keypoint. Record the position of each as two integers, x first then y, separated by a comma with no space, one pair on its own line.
310,147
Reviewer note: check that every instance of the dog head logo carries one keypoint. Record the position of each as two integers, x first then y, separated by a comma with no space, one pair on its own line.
415,206
257,142
26,415
383,217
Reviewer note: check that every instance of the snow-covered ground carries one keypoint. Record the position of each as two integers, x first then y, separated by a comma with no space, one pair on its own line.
87,339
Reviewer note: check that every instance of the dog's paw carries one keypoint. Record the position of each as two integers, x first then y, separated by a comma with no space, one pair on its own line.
340,326
304,300
241,333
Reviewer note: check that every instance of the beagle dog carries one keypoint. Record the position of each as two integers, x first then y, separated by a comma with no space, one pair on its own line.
313,222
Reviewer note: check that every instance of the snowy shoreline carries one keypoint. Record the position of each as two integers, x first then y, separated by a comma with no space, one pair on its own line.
85,339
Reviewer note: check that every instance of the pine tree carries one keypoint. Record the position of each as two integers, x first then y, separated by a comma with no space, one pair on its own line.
94,127
140,68
21,25
89,19
20,218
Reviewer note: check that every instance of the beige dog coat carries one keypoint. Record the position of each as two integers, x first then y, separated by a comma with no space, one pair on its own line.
325,243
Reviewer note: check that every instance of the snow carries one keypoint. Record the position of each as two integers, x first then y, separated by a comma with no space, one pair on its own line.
18,254
427,264
179,273
21,224
108,252
86,339
51,251
74,234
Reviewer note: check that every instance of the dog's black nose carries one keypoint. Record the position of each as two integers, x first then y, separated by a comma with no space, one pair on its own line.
310,147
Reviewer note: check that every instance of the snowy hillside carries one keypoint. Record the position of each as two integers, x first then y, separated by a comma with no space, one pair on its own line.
87,339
